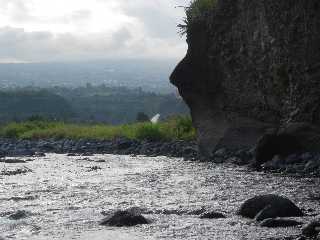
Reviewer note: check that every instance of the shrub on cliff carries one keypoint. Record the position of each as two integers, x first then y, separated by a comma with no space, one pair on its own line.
197,9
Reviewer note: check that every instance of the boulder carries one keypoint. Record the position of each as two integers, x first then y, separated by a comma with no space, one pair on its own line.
12,161
19,215
271,145
124,218
279,222
269,206
212,215
312,229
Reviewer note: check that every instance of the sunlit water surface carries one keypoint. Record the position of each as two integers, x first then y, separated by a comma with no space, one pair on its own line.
65,197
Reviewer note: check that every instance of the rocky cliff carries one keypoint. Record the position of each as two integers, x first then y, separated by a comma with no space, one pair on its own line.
251,65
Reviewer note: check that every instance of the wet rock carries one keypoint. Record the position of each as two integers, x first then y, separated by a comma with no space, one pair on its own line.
237,161
94,168
312,229
73,154
39,154
124,144
100,161
22,152
279,222
270,145
126,218
269,206
19,215
18,199
311,166
221,152
189,151
212,215
292,159
195,212
12,161
15,172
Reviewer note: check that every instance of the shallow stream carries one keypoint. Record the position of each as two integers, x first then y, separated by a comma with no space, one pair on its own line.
63,198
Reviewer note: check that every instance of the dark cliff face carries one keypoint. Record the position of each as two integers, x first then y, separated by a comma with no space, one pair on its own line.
251,64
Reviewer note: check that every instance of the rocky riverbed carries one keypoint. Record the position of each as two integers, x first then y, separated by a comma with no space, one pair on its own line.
67,197
303,163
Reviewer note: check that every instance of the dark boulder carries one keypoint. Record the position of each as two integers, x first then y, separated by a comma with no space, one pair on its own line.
312,229
125,218
12,161
19,215
269,206
212,215
270,145
275,223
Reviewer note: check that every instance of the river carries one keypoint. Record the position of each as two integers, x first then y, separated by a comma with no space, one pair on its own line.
63,198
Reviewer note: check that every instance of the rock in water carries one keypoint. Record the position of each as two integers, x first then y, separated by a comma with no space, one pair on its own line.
274,223
19,215
312,229
125,218
270,145
212,215
269,206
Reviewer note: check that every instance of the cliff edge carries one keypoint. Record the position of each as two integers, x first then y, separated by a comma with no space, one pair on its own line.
252,66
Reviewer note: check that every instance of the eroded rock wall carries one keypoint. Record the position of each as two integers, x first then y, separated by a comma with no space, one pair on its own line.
251,65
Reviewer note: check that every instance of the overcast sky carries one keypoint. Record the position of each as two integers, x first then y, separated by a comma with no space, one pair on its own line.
54,30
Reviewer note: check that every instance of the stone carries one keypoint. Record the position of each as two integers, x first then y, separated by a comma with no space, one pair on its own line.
19,215
271,145
279,222
310,166
12,161
222,153
125,218
292,159
212,215
312,229
269,206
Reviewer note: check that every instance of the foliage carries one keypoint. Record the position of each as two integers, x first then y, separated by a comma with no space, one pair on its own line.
196,10
142,117
177,128
91,104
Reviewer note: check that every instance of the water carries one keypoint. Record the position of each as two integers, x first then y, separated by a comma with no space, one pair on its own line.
64,197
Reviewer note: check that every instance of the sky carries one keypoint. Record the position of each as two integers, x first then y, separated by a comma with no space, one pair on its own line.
68,30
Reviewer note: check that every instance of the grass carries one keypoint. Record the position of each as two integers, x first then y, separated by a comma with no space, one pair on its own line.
195,11
177,128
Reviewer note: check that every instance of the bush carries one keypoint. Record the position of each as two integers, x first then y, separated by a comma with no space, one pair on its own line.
196,10
149,131
173,129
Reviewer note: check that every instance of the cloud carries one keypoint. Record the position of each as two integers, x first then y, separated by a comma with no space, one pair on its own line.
92,29
17,44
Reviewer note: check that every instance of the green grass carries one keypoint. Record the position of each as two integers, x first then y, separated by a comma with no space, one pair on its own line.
177,128
195,11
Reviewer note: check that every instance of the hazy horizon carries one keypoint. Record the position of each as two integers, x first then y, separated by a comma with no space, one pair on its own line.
83,30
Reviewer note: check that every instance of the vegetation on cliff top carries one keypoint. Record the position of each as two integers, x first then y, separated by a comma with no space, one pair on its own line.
197,9
177,128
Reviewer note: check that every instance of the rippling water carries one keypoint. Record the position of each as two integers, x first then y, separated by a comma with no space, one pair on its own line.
64,197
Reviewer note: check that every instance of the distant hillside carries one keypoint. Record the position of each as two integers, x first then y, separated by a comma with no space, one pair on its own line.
22,104
113,105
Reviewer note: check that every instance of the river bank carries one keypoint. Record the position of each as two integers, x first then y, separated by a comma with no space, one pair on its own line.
306,164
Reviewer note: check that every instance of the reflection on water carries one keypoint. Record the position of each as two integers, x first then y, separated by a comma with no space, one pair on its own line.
64,197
